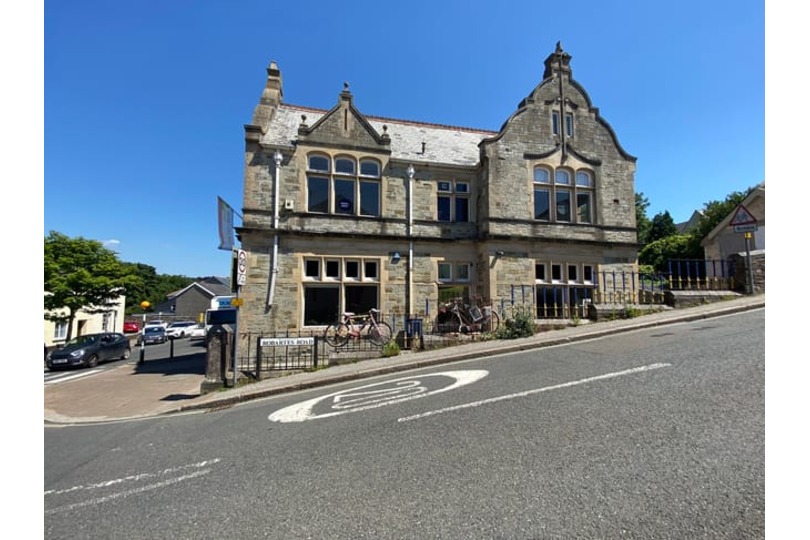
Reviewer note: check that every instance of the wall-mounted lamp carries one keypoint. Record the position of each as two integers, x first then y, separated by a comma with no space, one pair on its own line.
499,253
410,171
395,257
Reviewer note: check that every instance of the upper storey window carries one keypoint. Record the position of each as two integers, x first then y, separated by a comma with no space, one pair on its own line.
564,200
453,201
569,123
343,191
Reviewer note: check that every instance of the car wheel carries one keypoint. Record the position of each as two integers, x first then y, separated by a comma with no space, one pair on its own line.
92,361
126,354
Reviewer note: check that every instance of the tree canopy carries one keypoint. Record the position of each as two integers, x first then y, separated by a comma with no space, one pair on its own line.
81,274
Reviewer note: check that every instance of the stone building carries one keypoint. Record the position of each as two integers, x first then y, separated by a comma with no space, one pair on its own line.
345,212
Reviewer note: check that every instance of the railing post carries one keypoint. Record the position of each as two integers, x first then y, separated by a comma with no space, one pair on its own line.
258,357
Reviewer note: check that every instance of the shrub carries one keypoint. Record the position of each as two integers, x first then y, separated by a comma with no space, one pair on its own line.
391,349
520,325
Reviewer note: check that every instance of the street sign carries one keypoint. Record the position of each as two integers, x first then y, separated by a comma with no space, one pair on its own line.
241,267
745,228
742,217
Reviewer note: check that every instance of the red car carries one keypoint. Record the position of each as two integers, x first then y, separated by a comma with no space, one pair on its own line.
131,327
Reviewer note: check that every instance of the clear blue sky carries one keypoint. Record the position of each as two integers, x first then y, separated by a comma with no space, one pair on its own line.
145,102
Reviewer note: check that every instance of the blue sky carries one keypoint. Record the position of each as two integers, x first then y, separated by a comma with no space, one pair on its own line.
145,102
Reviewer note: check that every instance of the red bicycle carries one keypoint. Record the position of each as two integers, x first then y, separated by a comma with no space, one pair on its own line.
352,326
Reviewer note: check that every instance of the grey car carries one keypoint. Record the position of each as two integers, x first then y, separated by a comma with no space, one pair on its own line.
89,350
154,334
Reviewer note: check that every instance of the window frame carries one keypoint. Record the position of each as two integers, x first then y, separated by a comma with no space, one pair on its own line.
456,193
344,183
560,195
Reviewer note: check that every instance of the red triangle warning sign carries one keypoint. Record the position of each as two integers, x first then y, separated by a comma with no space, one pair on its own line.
742,217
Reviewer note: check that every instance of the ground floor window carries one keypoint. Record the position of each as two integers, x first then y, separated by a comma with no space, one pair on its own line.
562,302
334,285
60,330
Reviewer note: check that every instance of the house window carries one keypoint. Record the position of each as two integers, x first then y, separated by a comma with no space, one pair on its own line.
344,191
453,201
584,187
556,272
356,289
454,280
569,123
564,193
572,273
60,330
540,272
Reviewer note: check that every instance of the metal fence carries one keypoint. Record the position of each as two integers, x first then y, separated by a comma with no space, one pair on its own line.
305,349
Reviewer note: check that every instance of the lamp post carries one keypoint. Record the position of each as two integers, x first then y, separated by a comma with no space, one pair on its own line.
144,306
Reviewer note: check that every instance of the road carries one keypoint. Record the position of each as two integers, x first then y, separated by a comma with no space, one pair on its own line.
650,434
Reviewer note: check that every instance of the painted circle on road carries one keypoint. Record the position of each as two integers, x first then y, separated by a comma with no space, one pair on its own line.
375,395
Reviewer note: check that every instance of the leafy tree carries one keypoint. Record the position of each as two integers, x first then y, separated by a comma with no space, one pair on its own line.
643,223
153,287
658,253
81,274
662,226
713,213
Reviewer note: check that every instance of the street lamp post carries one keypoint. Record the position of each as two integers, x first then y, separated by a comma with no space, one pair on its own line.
144,306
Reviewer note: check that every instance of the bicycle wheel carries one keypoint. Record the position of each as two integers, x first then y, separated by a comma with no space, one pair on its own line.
380,334
336,335
492,322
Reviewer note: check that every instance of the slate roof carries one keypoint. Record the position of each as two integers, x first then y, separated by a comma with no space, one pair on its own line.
449,145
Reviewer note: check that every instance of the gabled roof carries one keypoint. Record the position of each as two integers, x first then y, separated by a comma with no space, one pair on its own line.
442,144
210,287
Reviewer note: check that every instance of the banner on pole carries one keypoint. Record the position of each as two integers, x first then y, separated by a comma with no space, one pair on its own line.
225,219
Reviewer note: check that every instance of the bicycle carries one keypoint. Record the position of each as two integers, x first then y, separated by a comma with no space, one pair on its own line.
472,318
339,333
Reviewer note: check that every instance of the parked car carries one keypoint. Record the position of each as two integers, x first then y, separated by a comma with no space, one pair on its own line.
89,350
153,334
197,332
180,329
131,327
157,322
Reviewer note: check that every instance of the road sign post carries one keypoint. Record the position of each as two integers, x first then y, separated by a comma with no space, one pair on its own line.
744,222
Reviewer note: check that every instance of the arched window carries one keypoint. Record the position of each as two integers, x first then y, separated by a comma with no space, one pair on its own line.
563,201
369,167
344,165
318,163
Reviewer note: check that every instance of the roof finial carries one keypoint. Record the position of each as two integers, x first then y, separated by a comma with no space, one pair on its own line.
559,48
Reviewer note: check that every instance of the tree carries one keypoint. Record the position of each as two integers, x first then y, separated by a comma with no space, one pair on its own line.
643,223
81,274
657,254
152,287
662,226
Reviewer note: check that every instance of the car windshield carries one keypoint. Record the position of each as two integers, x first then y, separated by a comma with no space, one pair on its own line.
83,340
153,330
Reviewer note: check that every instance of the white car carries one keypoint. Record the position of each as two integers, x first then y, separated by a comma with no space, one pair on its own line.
180,329
157,322
197,332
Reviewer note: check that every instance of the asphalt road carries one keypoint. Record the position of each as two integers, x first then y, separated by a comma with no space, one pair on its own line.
657,433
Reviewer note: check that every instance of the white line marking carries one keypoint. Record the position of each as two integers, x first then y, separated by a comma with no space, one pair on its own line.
127,493
535,391
76,376
134,478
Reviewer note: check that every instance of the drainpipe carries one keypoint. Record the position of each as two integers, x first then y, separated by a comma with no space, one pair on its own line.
410,240
277,157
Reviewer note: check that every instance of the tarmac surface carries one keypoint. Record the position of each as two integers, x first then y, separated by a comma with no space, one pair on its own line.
167,386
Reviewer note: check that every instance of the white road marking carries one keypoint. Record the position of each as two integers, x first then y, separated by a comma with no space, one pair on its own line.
535,391
133,478
122,494
365,397
75,376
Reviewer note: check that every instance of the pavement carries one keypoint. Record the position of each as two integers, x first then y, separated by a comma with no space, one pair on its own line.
170,386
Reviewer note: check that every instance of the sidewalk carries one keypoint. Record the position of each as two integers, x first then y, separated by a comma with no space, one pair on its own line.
167,386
